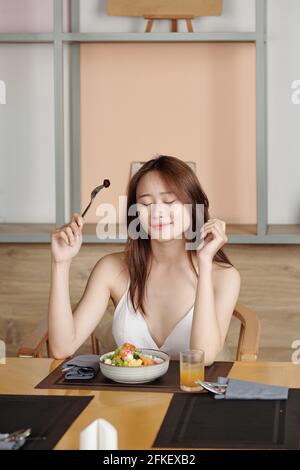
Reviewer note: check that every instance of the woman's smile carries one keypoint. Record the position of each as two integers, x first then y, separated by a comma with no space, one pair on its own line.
160,225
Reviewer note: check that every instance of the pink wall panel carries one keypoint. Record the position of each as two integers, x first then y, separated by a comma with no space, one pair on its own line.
195,101
29,16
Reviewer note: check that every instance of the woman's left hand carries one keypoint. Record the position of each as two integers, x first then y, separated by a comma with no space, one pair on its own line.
214,237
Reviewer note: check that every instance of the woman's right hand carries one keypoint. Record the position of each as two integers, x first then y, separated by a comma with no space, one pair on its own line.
67,239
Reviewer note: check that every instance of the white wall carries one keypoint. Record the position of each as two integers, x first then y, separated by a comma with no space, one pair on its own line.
27,134
283,115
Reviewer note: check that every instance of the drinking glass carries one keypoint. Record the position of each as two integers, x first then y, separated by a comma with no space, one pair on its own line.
191,369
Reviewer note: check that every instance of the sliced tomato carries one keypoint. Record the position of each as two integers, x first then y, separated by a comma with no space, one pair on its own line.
128,347
124,353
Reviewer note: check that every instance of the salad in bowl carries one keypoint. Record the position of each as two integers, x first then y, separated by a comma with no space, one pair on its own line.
129,364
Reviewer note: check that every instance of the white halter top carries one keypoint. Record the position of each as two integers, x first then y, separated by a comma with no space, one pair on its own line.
129,326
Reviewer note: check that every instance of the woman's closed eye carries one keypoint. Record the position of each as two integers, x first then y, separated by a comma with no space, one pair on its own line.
165,202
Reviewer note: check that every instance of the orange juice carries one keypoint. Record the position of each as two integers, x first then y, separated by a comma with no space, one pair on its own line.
190,372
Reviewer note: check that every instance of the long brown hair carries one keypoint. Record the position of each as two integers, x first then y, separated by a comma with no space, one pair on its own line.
184,183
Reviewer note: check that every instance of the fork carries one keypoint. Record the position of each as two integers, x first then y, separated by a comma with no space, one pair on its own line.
19,434
214,387
94,193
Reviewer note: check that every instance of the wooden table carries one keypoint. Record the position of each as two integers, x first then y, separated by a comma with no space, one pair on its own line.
136,415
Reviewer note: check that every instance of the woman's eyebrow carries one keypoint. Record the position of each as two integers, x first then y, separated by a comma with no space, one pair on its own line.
147,194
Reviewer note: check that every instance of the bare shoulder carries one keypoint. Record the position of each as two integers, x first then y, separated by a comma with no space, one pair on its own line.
223,272
111,263
110,267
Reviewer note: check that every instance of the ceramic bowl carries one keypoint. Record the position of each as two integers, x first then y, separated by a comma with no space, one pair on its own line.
136,375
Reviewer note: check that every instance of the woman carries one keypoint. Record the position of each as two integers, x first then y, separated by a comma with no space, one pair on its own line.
172,289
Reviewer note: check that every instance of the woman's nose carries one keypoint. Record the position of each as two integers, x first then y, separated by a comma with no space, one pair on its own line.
159,211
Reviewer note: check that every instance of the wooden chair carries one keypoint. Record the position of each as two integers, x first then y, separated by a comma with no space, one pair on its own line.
34,344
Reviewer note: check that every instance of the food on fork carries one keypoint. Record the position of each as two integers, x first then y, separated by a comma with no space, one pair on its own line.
127,355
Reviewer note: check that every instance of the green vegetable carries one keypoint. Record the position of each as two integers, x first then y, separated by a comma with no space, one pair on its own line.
117,351
118,362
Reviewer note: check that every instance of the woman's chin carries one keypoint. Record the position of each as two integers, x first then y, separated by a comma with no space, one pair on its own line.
165,235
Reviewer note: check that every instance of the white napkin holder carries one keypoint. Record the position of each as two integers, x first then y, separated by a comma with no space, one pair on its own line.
99,435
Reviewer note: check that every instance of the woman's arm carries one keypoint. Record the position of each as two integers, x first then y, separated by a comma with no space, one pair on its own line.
214,305
216,295
60,317
68,330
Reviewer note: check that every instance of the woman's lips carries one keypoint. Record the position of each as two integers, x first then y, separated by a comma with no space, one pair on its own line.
159,226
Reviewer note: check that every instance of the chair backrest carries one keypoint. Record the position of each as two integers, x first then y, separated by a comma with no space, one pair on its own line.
249,337
247,348
248,341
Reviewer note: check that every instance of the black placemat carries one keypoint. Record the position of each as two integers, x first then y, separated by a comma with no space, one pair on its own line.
203,422
167,383
47,416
